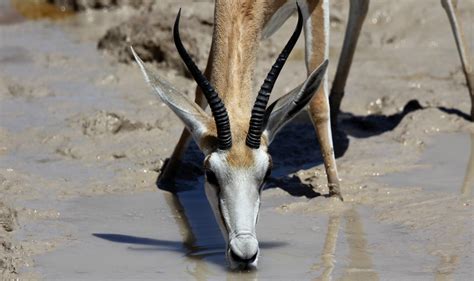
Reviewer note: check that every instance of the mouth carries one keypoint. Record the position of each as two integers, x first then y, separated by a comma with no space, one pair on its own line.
238,263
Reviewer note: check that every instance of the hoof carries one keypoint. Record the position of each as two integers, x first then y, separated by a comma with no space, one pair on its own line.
333,194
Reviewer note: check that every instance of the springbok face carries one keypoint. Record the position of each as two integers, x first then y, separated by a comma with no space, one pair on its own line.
233,189
236,167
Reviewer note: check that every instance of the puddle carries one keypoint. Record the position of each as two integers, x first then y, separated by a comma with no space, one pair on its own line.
447,165
157,235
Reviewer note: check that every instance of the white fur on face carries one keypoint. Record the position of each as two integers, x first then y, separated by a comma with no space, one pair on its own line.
236,199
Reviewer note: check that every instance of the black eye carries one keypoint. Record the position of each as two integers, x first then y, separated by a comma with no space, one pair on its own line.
211,178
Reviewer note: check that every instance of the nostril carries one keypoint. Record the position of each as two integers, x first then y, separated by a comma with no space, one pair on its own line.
239,259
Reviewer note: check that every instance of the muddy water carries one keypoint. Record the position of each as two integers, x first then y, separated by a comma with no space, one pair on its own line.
446,166
445,170
157,235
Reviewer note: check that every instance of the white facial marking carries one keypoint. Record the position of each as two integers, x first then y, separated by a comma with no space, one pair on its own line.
235,199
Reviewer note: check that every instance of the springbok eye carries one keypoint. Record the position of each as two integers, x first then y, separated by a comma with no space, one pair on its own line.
211,178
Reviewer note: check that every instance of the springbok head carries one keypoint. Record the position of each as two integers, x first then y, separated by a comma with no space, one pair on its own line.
237,161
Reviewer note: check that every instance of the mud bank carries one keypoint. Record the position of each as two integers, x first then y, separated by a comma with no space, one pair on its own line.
82,141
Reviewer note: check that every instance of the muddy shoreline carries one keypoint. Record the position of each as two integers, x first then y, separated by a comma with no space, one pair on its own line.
82,141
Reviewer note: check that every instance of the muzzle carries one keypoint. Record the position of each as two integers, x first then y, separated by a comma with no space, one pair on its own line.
243,251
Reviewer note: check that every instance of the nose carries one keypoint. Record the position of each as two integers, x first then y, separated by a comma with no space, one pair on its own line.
243,249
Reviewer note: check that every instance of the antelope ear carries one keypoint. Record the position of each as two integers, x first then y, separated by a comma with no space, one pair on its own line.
286,107
193,116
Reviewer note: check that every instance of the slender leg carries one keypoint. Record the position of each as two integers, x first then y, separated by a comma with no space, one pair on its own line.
450,6
169,171
319,112
357,12
317,38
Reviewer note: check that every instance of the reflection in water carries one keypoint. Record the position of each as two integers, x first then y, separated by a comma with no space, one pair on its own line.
242,276
466,190
360,265
180,217
327,256
196,234
200,234
446,267
200,270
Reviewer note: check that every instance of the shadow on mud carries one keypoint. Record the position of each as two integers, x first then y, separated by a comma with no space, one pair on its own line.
296,147
201,237
376,124
189,248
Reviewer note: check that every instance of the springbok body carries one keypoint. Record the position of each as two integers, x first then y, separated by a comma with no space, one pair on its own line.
235,139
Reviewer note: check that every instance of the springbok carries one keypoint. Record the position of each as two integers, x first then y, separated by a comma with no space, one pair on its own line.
235,140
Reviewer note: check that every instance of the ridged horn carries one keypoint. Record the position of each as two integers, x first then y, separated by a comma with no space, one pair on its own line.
218,109
258,111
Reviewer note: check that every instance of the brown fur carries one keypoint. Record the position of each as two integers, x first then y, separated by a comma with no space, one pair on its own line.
239,155
237,31
318,104
236,36
317,26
